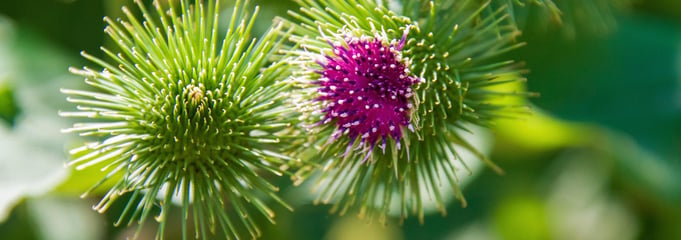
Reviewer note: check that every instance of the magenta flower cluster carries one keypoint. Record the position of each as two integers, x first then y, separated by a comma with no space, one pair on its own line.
366,89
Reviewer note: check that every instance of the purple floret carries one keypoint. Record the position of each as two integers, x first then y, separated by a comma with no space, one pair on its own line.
366,89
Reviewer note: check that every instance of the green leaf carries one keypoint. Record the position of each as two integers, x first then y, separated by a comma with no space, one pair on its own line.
8,105
31,152
629,82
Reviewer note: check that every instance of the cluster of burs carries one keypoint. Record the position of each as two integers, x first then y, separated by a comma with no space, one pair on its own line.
364,101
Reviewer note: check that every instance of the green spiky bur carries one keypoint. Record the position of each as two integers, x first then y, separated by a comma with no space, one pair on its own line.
188,115
453,46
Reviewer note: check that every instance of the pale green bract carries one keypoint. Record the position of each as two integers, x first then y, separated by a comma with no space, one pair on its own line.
181,114
456,48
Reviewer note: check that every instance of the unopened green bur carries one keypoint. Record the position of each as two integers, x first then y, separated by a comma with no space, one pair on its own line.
386,88
182,113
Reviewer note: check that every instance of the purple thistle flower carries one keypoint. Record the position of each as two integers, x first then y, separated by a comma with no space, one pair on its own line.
366,88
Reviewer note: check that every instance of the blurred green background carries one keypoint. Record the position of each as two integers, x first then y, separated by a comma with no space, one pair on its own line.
599,159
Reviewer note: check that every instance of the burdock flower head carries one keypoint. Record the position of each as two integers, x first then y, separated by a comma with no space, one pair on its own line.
387,88
182,114
367,91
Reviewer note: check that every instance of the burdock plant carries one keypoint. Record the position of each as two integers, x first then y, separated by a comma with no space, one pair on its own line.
386,88
182,113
